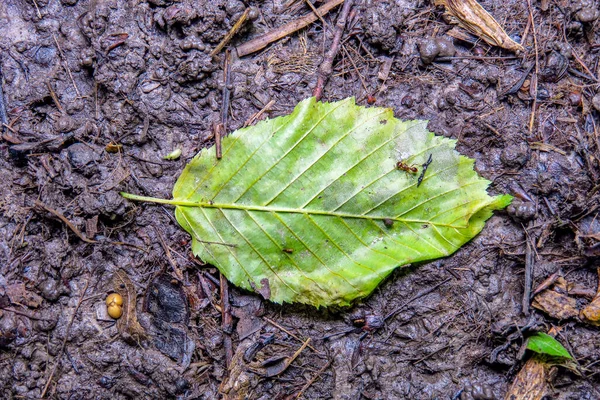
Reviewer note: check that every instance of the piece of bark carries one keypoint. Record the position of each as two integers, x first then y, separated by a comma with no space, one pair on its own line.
591,312
531,383
556,305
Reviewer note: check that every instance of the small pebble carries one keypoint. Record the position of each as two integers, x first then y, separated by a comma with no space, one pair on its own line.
587,14
515,155
431,48
521,210
596,101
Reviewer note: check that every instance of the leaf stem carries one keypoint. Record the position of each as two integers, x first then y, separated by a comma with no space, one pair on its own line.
147,199
226,206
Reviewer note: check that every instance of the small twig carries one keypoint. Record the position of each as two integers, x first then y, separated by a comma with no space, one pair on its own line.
234,29
263,41
529,264
218,134
55,98
25,314
65,220
39,14
176,268
221,129
64,342
362,80
313,379
326,67
3,115
314,9
534,81
281,328
226,320
65,65
415,297
298,352
255,117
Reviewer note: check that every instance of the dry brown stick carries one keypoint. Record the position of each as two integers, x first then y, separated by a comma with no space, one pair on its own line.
221,128
176,268
39,14
259,114
263,41
226,320
55,98
65,65
25,314
65,220
3,115
276,325
313,379
534,82
326,67
64,342
314,9
415,297
218,134
298,352
362,80
529,265
234,29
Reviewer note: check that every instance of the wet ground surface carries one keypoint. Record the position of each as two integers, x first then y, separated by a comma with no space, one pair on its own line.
97,92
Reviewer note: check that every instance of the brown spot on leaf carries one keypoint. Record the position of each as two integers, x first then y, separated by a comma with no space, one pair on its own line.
265,289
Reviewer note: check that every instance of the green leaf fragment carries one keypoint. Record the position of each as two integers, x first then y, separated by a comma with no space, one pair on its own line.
543,343
312,207
174,155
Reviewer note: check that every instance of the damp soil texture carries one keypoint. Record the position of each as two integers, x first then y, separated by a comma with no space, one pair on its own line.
95,93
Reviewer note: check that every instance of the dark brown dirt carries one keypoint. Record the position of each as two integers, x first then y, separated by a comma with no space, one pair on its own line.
80,75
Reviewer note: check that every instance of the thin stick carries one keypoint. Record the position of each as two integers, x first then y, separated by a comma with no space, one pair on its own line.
64,342
313,379
362,80
263,41
37,9
169,256
65,220
65,65
326,67
218,134
529,265
314,9
415,297
259,114
298,352
221,128
55,98
289,333
226,320
537,67
234,29
3,115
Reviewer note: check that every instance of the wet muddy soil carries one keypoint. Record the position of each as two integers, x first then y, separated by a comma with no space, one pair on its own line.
95,94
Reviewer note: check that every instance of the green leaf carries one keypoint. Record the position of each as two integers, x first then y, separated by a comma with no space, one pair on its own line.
311,208
543,343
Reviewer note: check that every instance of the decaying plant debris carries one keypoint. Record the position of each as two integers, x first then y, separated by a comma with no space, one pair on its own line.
470,15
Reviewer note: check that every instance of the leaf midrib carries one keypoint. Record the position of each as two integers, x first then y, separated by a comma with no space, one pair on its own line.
272,209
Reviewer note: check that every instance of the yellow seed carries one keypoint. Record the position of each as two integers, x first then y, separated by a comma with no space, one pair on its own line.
115,311
114,298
